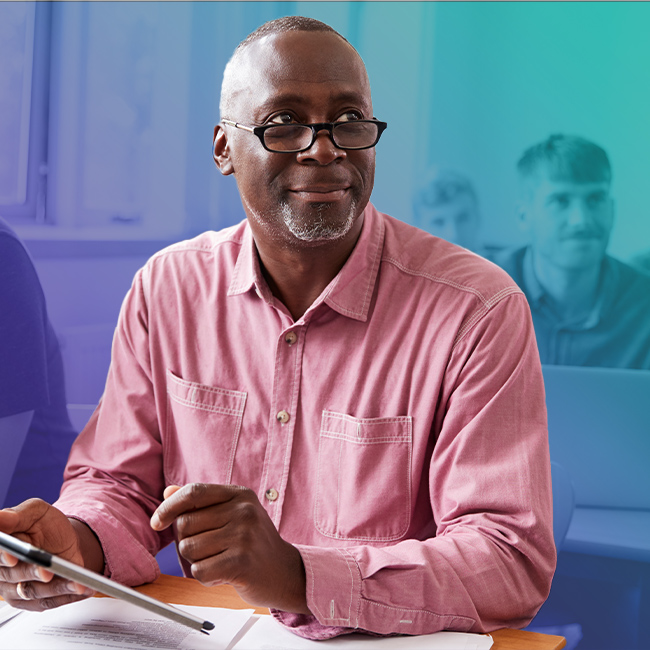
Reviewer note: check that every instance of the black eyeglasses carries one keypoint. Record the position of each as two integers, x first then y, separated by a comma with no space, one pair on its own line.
293,138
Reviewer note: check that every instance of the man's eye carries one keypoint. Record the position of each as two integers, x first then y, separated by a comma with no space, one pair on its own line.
596,200
560,201
282,118
350,116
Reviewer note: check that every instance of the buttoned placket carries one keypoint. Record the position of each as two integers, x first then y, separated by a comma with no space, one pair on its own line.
282,419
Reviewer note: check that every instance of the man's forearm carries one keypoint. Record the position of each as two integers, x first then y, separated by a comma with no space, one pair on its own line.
89,545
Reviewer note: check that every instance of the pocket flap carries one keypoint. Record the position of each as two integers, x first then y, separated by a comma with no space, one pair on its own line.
208,398
366,430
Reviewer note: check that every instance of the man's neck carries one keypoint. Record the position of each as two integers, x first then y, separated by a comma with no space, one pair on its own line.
573,291
297,276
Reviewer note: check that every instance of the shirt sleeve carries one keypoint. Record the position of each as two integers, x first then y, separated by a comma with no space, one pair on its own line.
23,321
491,561
114,477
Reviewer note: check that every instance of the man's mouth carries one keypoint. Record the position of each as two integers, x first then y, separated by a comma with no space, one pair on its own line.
582,236
320,194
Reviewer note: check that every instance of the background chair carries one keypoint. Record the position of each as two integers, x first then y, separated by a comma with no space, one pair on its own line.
563,502
563,505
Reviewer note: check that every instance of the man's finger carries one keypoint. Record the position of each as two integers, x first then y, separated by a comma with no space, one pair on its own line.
191,497
41,604
7,560
9,520
23,572
169,490
19,520
30,590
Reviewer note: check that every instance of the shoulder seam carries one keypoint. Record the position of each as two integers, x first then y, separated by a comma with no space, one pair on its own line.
480,313
486,303
434,278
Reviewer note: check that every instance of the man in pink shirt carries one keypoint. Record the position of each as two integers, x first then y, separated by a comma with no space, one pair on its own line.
375,390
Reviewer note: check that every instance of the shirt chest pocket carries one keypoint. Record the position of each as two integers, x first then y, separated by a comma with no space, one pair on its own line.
364,477
201,431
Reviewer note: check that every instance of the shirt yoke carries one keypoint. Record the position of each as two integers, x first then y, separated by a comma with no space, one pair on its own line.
453,269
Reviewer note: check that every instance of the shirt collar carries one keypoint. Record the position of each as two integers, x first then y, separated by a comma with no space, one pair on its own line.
607,288
349,293
351,290
247,273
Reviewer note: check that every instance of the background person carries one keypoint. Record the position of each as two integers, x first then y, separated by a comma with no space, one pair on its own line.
35,431
376,391
446,205
589,309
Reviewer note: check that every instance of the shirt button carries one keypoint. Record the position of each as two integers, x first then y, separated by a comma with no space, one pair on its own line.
290,338
283,417
271,494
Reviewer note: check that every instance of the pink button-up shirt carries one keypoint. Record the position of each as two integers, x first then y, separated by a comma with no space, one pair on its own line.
395,433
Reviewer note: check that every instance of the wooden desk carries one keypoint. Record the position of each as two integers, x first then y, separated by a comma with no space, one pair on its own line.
185,591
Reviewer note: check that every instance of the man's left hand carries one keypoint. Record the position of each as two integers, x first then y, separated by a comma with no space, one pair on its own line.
228,537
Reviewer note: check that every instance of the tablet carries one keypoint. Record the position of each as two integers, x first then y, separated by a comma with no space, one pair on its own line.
65,569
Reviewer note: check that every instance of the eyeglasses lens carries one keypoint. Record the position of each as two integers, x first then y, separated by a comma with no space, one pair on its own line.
355,135
296,137
287,137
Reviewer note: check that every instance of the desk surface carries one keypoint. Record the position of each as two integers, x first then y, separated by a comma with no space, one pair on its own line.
185,591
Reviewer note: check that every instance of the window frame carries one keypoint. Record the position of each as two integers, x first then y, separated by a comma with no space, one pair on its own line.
31,196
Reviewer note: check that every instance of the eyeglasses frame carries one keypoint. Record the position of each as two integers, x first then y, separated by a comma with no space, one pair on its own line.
316,128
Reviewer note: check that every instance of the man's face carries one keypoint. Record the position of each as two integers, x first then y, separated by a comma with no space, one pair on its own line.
569,222
305,198
456,221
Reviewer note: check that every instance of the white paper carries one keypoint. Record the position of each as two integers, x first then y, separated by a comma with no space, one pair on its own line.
7,612
109,623
268,634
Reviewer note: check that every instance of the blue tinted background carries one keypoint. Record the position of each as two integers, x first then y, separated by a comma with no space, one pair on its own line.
466,85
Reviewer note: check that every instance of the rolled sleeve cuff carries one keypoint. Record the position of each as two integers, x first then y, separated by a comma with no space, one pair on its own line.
125,559
333,583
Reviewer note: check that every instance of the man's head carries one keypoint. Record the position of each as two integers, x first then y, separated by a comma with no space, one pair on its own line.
445,205
296,70
565,201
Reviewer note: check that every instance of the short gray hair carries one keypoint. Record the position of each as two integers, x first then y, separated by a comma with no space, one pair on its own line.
277,26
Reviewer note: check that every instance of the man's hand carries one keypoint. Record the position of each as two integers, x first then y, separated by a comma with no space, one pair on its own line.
28,586
228,537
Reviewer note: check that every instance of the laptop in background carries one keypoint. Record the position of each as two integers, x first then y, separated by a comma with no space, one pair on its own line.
599,430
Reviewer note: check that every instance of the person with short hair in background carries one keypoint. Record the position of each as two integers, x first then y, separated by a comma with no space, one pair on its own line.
589,308
445,204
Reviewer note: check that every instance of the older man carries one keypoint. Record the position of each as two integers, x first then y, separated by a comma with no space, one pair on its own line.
354,409
589,309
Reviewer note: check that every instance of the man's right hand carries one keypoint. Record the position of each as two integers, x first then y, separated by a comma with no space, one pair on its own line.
31,587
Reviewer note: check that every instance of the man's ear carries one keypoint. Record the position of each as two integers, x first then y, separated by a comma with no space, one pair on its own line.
221,151
525,204
522,215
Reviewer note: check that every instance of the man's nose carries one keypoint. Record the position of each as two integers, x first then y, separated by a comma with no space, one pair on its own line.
580,214
323,150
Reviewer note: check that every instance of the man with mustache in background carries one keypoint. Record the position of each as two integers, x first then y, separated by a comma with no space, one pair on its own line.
589,309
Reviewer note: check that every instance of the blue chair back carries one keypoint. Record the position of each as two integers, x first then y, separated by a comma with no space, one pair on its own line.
563,502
